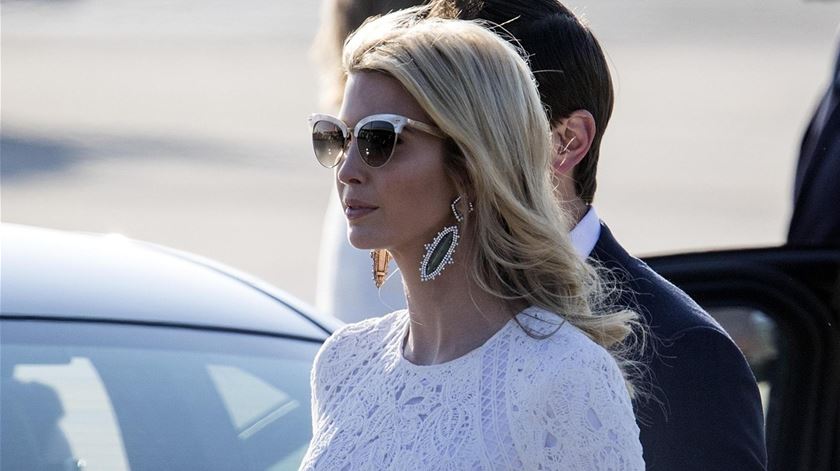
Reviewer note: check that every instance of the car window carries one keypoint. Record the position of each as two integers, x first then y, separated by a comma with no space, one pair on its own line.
117,397
757,335
63,418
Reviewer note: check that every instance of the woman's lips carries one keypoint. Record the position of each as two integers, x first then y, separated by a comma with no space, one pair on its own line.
355,209
356,213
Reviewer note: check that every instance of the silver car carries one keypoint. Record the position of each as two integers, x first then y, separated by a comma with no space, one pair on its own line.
122,355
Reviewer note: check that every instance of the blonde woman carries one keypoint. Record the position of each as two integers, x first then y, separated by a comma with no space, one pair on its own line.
502,359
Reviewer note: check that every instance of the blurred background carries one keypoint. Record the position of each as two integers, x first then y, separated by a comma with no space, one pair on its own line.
183,123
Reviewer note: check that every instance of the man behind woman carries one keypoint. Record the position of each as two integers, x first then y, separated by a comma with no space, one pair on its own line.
705,412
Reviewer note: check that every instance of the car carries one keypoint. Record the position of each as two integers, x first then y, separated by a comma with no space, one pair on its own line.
781,305
118,354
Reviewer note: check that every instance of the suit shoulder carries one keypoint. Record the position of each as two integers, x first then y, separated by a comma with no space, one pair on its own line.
665,308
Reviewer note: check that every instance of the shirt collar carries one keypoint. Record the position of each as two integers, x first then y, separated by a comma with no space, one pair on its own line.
586,233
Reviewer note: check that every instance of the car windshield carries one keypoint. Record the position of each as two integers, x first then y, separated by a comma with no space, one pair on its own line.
98,396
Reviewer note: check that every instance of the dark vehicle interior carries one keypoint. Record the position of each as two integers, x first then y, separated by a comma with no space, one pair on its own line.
782,308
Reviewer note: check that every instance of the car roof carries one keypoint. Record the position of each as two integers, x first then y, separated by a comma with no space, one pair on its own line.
68,275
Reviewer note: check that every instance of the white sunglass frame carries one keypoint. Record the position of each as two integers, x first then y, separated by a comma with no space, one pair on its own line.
398,121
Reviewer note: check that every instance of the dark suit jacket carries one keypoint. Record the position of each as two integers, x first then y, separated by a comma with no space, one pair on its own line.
706,410
816,202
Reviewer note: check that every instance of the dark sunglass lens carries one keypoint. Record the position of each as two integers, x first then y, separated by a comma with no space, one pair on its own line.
328,142
376,141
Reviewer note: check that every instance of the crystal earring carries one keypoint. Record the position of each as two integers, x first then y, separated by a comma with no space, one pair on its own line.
380,257
439,252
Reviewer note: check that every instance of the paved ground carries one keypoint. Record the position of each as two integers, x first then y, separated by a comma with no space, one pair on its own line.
183,123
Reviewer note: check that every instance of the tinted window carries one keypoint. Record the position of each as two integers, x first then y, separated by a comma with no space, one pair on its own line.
119,397
757,335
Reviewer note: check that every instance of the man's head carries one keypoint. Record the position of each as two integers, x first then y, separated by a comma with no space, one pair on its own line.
572,75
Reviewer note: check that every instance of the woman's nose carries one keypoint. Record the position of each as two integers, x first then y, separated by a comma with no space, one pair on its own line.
351,169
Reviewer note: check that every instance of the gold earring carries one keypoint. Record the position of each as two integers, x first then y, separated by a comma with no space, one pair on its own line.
381,258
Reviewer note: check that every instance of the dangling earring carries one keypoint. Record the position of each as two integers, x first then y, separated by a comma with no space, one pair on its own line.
380,257
439,252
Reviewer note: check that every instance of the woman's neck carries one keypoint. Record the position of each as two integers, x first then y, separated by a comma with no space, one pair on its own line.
450,315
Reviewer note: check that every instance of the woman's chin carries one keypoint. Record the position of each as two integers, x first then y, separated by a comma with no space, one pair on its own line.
362,241
362,246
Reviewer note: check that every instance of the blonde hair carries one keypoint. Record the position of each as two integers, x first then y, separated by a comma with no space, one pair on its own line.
478,89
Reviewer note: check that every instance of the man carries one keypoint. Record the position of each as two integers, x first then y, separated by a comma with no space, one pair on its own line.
815,221
704,412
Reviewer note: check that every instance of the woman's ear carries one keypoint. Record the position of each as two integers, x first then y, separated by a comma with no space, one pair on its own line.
572,137
459,175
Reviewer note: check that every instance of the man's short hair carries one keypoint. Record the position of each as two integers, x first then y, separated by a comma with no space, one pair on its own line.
566,59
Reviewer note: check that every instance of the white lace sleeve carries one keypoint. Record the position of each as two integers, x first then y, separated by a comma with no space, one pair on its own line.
318,398
323,367
336,364
316,387
581,417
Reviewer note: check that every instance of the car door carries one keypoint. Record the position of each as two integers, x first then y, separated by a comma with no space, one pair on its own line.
782,308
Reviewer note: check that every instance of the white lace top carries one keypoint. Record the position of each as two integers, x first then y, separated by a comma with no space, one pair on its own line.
514,403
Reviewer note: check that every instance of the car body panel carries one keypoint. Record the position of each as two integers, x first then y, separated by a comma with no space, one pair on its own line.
56,274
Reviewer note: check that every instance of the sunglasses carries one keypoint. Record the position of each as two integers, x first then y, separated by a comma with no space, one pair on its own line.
376,137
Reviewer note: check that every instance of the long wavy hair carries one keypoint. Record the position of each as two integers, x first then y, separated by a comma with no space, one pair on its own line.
479,90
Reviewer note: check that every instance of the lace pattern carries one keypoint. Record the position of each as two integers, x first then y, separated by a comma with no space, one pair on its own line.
514,403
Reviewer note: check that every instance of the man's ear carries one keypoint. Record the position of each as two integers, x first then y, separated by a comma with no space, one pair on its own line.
572,137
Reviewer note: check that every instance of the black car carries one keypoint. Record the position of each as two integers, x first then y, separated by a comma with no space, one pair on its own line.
782,307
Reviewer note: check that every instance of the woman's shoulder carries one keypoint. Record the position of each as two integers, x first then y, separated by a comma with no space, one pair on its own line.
550,349
575,390
369,327
368,334
550,336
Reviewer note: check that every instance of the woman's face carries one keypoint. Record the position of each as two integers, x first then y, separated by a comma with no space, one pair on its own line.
403,204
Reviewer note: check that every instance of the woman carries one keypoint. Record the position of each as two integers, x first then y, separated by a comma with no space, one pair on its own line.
501,360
